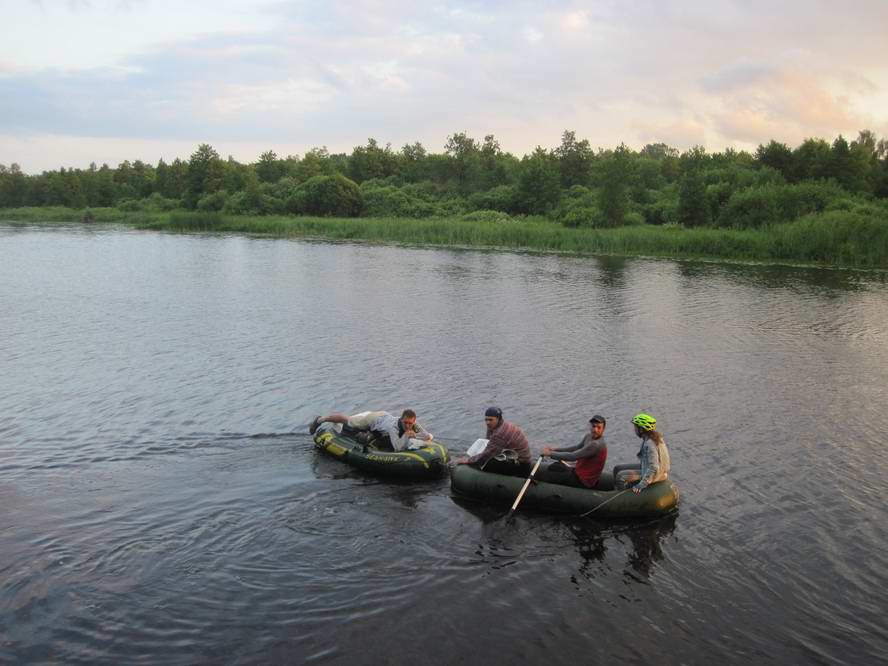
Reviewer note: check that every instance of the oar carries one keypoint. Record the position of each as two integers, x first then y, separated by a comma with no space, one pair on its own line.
524,487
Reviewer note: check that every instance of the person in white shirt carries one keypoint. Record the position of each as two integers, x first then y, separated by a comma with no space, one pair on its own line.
399,430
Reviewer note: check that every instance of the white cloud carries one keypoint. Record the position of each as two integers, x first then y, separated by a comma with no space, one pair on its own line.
575,21
291,95
532,35
300,74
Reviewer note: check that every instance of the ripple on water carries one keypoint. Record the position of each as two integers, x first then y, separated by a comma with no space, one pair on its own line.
162,502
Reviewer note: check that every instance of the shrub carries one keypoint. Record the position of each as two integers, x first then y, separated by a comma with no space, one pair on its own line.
494,216
751,208
212,202
717,196
633,218
236,204
664,211
384,201
333,195
159,202
579,216
755,207
500,198
129,205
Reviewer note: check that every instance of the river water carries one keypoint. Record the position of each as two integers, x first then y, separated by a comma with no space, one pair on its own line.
161,501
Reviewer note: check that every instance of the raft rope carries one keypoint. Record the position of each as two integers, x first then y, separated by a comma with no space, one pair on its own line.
583,515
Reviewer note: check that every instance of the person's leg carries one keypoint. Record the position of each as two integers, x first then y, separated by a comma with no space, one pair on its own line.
363,421
559,473
330,418
626,474
605,482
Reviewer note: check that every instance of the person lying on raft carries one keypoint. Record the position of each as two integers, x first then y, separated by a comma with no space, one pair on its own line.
398,431
590,455
507,451
653,454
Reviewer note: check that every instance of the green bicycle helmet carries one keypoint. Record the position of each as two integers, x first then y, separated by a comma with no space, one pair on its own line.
645,422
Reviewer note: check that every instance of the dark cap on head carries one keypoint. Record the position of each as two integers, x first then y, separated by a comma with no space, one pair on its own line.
494,411
598,419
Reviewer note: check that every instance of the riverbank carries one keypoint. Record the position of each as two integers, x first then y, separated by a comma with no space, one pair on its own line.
834,238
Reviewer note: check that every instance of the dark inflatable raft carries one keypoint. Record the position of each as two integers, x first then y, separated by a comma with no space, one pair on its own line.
656,500
428,461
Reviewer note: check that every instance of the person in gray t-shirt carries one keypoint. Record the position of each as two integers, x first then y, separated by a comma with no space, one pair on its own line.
589,457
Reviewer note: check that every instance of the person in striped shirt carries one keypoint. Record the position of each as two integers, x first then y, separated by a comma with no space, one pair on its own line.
507,451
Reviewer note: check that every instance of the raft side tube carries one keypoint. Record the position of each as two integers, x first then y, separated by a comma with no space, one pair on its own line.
657,500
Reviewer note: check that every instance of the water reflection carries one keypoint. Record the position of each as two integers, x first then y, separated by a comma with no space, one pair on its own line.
647,544
504,535
145,523
612,272
824,282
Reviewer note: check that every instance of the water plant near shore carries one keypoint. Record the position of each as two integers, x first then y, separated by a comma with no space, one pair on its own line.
850,238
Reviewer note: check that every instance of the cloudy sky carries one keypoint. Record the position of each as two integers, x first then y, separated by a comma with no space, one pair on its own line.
108,80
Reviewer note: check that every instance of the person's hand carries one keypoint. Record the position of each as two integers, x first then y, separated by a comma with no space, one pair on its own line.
429,437
462,461
547,450
636,489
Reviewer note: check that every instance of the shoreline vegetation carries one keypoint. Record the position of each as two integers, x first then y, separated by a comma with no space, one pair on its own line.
819,203
831,240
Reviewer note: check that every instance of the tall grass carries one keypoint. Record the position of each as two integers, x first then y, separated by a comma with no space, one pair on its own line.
60,214
534,234
838,238
852,238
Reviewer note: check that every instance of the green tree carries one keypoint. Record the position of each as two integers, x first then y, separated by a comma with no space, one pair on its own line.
253,199
777,156
269,168
539,187
840,162
205,174
658,151
574,160
612,199
13,186
106,192
414,164
162,178
177,182
493,164
371,161
692,208
234,175
864,162
316,162
812,160
142,179
464,160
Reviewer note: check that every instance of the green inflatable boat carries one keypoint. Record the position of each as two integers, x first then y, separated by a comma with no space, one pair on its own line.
656,500
427,461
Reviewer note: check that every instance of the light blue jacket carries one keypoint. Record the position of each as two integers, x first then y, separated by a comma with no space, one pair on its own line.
655,463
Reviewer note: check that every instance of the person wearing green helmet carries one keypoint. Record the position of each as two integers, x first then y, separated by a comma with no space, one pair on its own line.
653,455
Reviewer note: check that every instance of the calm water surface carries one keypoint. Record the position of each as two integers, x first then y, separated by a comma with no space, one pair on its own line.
161,501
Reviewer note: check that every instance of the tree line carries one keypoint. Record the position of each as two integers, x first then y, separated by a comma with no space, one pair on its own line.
572,184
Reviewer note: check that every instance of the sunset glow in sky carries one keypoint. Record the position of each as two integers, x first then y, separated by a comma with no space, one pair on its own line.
108,80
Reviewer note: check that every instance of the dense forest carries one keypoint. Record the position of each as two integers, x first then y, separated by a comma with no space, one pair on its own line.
572,184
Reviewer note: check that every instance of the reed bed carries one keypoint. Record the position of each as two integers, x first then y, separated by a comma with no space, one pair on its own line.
833,238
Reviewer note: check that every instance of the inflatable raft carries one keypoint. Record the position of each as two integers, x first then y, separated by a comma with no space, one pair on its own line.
656,500
429,460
